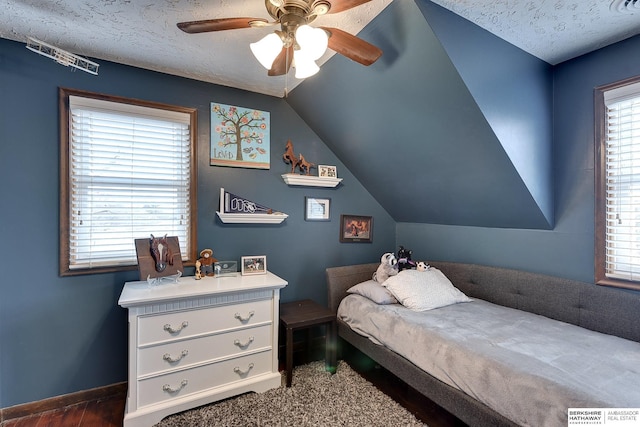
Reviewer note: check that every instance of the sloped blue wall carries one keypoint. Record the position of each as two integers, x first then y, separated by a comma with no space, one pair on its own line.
436,131
568,249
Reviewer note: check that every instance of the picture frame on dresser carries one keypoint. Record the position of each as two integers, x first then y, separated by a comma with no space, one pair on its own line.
251,265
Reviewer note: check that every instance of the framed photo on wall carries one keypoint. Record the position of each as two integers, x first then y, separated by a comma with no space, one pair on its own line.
356,229
317,209
240,137
254,265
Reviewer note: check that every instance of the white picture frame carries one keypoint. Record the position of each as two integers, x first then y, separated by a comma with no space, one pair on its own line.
256,264
327,171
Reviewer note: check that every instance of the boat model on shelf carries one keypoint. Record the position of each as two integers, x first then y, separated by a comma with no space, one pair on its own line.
237,209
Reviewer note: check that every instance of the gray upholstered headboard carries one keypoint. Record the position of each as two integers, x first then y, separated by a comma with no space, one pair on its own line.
601,309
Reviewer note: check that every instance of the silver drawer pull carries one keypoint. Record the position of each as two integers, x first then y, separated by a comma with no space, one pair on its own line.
245,345
241,373
172,330
168,388
170,359
244,319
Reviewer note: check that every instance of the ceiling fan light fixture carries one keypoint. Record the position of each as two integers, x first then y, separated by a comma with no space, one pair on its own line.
625,6
267,49
321,8
304,64
313,41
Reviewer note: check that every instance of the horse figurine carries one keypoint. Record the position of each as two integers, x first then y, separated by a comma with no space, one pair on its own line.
161,252
290,157
303,164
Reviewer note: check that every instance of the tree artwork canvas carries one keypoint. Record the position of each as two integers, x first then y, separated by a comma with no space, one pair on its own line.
239,137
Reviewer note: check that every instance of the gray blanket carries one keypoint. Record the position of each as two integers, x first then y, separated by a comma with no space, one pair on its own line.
527,367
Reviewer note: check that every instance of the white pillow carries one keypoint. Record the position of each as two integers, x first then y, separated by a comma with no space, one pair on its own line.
374,291
424,290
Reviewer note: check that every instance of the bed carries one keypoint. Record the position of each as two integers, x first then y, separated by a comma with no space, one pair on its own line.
523,350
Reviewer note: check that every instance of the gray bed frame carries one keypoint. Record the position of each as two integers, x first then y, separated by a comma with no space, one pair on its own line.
598,308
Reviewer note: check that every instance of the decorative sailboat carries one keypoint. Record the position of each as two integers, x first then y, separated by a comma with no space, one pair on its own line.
236,209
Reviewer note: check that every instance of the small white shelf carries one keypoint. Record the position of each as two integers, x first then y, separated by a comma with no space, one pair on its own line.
239,218
310,181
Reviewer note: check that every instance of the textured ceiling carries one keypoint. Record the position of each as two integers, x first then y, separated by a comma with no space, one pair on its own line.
144,34
553,31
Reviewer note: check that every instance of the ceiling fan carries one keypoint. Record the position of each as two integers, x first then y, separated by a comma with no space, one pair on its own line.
296,43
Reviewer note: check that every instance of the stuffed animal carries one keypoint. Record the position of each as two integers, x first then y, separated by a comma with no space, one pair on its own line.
422,266
404,259
388,267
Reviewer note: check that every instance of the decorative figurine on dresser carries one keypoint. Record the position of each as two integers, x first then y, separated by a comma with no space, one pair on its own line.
193,342
206,262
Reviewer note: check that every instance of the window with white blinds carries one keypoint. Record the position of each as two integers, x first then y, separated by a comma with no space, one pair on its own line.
622,182
129,176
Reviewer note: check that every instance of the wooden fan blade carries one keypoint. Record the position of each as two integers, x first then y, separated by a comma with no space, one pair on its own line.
282,63
222,24
342,5
352,47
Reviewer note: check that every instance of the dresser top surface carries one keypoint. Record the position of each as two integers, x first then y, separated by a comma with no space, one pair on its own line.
141,292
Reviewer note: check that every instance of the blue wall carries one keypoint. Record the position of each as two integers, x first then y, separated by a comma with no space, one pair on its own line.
452,125
568,249
60,335
64,334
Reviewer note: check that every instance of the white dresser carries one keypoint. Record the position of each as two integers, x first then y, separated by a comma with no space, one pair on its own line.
199,341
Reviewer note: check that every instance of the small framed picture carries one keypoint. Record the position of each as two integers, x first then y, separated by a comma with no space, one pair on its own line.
254,265
325,171
356,229
317,209
225,268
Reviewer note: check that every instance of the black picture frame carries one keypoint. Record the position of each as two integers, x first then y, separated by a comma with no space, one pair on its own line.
356,229
317,208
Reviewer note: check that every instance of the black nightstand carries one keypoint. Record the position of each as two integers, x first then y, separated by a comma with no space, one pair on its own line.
305,314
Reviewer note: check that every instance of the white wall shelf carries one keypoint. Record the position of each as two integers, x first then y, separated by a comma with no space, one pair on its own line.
310,181
240,218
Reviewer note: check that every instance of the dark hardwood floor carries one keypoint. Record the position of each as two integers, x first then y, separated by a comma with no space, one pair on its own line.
108,411
105,412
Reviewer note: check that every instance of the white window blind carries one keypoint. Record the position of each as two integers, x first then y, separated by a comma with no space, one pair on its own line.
129,178
622,154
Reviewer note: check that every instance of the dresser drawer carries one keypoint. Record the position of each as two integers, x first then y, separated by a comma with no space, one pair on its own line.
162,357
188,381
184,324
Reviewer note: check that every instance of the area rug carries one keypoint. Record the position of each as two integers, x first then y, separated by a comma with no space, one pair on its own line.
315,398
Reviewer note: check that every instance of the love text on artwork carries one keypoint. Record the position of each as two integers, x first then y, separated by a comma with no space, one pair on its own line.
223,154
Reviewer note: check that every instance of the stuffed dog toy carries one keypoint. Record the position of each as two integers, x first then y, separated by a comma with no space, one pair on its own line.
388,267
422,266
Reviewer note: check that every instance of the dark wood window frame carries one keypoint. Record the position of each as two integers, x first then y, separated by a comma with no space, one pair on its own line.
601,189
65,189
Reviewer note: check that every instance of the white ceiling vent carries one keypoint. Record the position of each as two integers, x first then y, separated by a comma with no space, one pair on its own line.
625,6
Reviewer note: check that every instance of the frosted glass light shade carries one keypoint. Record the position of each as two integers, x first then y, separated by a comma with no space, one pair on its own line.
305,65
267,49
313,41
